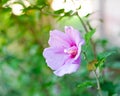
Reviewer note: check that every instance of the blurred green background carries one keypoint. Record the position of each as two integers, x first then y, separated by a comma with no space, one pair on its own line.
23,71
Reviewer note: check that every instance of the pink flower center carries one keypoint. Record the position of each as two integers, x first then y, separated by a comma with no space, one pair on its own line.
72,51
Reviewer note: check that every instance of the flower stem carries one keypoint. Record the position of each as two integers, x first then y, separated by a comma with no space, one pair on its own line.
82,22
94,52
98,83
86,30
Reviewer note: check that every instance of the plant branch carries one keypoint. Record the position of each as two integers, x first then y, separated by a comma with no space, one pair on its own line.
86,30
82,22
98,83
94,52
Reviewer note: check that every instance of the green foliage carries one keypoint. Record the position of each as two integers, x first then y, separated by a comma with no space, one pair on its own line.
105,54
59,11
23,70
86,84
109,87
88,35
4,1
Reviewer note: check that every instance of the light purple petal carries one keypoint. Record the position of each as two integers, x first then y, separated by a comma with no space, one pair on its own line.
73,34
55,57
68,68
61,55
79,49
58,39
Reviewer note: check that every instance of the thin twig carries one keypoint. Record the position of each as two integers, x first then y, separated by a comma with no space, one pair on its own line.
94,52
82,22
98,83
86,30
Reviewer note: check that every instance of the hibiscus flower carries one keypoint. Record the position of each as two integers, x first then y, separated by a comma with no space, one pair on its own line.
63,55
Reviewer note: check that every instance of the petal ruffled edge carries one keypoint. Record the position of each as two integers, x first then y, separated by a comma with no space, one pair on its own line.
79,49
67,68
58,39
73,34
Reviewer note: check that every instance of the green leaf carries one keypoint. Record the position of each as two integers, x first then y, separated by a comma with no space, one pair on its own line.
104,42
59,11
109,87
105,54
41,2
86,84
68,13
100,63
4,1
89,35
102,57
87,15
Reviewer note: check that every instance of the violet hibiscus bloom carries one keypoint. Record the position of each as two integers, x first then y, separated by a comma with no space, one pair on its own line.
63,55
